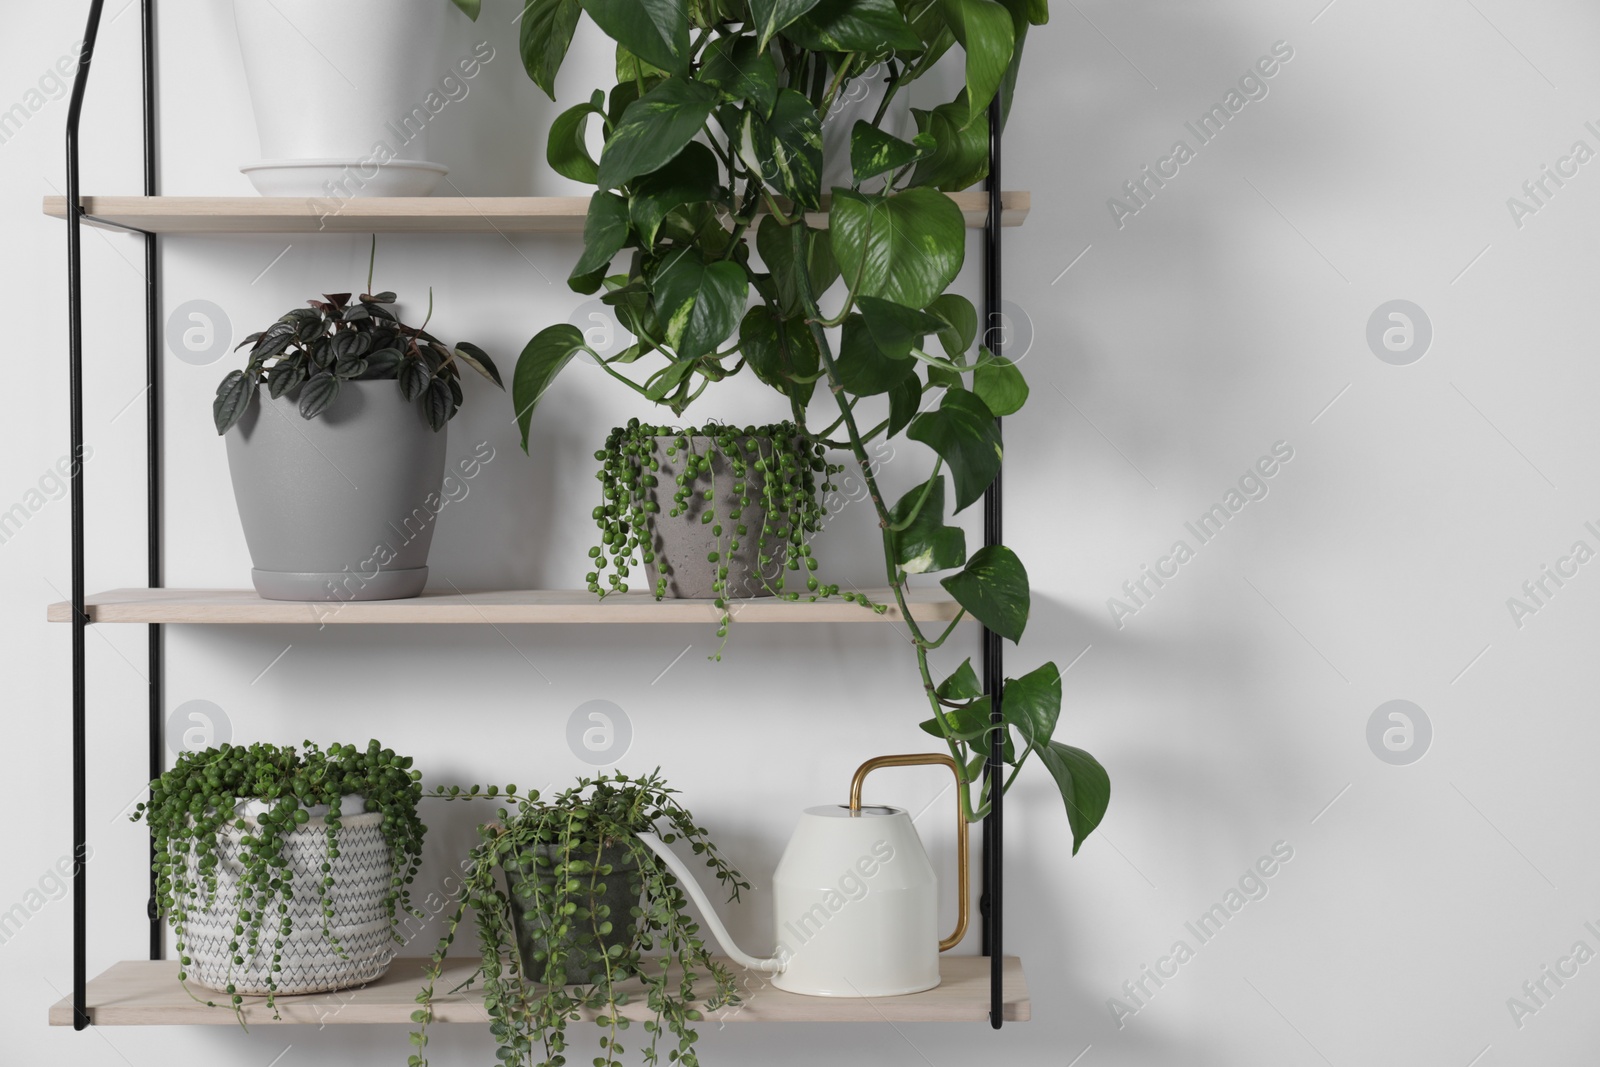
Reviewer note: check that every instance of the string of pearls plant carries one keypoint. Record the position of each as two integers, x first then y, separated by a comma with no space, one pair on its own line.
563,852
197,801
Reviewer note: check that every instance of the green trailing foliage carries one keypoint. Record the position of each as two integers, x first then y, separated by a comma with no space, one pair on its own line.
712,130
199,799
561,854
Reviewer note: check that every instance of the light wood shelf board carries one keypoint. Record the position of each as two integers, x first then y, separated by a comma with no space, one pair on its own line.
147,993
498,607
400,214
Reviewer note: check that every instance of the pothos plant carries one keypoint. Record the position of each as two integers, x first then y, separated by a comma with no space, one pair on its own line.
544,866
316,349
713,130
198,801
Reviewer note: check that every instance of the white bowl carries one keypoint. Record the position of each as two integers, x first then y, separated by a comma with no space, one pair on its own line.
341,179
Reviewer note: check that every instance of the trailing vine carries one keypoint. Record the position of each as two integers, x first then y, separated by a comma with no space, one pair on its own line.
197,802
777,475
547,864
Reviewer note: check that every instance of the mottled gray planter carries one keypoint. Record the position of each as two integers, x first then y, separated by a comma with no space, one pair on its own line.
623,889
682,543
343,506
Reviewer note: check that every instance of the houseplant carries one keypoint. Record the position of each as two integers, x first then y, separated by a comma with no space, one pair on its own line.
281,870
575,923
336,120
337,468
760,75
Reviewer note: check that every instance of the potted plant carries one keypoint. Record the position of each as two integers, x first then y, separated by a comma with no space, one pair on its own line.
343,94
714,513
281,870
337,467
712,132
574,913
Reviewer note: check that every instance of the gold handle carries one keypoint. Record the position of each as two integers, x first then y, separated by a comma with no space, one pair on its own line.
912,760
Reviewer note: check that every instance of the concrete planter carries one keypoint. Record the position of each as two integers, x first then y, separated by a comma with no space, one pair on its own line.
343,506
682,544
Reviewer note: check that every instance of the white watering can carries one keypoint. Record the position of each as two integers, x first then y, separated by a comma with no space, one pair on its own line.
857,902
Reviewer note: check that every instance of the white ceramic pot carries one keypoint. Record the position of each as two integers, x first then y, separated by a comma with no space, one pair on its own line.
354,948
339,88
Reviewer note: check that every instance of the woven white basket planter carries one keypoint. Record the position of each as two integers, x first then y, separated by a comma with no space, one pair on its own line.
361,946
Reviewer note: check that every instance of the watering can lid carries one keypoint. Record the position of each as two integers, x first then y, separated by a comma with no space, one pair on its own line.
842,811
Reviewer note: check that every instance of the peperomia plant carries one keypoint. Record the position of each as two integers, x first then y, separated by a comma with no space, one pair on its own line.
571,907
712,132
317,348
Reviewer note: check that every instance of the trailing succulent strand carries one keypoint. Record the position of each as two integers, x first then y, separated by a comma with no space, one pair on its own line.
778,475
563,851
196,802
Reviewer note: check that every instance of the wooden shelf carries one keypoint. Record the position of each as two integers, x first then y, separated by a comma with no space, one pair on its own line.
568,606
147,993
400,214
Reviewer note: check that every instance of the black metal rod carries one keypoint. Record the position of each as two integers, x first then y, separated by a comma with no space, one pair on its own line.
80,618
993,652
152,356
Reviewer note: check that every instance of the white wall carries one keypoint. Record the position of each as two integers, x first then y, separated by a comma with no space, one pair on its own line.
1231,710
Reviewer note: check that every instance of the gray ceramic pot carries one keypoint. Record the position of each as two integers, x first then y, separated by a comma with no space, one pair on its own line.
682,543
622,891
343,506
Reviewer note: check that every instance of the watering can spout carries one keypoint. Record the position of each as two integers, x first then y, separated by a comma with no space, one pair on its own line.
691,885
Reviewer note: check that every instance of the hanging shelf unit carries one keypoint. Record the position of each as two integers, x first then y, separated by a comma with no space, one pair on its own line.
146,992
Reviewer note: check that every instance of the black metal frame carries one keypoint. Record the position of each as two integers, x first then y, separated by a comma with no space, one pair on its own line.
991,903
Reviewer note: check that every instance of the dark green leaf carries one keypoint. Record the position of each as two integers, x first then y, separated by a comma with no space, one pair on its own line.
549,350
478,360
350,367
605,231
779,351
767,17
905,400
775,242
234,394
317,393
284,376
668,378
962,684
873,152
907,247
993,587
984,30
743,70
786,149
896,328
927,544
999,384
567,150
471,7
656,31
630,68
853,26
383,363
960,320
689,178
439,404
963,431
863,368
699,304
546,34
960,154
1032,704
654,128
414,377
1084,784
